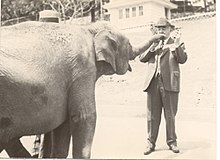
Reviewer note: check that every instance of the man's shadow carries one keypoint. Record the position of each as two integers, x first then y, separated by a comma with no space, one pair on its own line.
185,147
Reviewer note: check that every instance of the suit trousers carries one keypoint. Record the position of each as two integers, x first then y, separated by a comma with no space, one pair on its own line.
158,98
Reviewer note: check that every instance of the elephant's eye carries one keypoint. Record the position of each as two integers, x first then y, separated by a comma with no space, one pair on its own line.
114,45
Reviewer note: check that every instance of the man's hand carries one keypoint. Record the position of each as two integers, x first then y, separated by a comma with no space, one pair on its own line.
154,46
176,36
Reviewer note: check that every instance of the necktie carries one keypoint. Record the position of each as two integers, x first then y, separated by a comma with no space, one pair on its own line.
160,50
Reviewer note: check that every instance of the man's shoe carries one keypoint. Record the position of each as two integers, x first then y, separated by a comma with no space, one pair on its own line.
174,148
150,148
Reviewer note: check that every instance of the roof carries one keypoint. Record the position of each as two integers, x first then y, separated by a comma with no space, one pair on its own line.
123,3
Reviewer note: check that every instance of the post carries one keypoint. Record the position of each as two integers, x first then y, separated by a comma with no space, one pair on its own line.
205,6
0,16
92,10
101,13
184,8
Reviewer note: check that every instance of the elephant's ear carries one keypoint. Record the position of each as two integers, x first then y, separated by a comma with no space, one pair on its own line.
105,47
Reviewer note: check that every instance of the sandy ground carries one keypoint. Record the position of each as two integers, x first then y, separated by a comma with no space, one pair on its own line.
121,104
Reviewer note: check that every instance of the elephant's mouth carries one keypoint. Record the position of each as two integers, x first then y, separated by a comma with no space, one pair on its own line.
129,68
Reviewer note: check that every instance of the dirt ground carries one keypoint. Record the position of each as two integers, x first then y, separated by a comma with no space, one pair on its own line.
196,118
121,104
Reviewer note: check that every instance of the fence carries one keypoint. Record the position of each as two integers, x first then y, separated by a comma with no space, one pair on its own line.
18,20
195,17
188,18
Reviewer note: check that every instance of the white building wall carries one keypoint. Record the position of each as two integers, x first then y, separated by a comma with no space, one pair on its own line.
156,11
131,21
151,12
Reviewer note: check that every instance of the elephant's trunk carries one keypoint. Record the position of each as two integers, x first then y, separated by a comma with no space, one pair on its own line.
137,50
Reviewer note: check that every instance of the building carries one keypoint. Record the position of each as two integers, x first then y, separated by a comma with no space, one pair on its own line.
133,13
183,6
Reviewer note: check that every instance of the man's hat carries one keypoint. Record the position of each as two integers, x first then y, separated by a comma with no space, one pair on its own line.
163,22
49,16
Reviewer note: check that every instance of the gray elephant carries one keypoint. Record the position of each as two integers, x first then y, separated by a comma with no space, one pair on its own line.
48,73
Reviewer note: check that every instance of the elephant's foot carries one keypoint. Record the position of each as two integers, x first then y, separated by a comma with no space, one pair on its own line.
1,148
83,153
15,149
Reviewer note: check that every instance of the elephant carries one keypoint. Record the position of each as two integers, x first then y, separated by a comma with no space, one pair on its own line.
48,73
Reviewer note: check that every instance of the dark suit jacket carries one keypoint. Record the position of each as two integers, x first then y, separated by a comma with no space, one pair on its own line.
169,65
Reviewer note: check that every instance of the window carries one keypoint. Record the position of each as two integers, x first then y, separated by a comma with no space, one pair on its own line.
133,11
120,14
141,11
127,12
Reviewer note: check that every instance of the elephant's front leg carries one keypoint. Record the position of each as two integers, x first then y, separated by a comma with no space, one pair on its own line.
82,114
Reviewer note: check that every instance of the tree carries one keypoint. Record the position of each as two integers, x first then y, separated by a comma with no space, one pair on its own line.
18,8
13,9
69,9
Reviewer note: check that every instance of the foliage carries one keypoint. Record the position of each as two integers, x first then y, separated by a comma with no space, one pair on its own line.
19,8
11,9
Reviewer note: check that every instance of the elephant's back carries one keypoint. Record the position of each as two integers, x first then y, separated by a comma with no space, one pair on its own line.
35,49
43,44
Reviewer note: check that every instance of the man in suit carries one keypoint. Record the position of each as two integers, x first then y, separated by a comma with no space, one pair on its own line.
163,83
